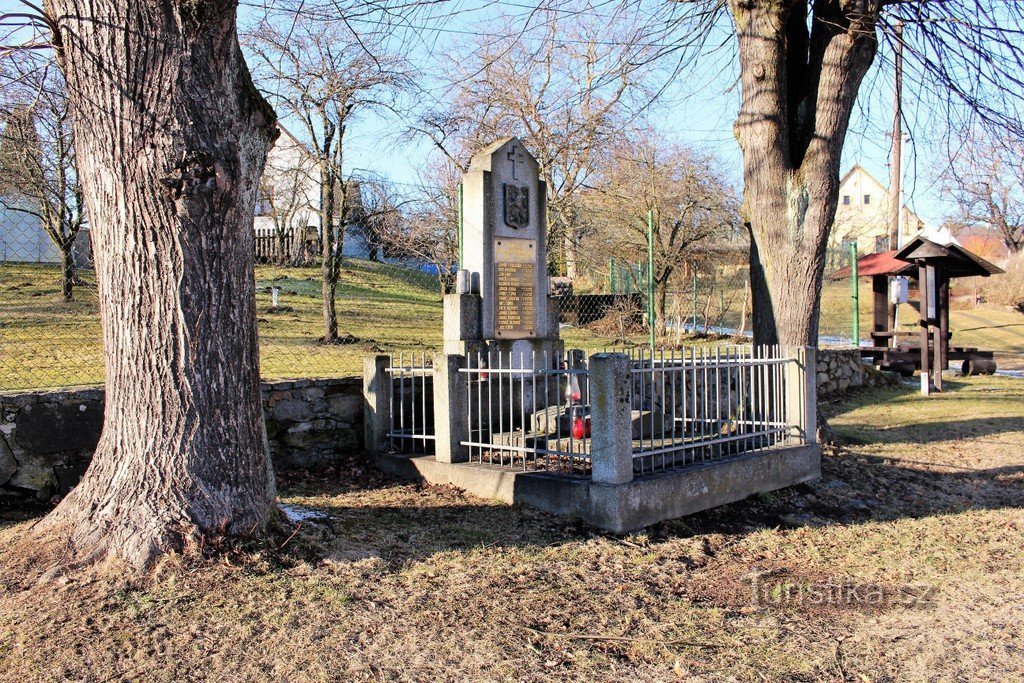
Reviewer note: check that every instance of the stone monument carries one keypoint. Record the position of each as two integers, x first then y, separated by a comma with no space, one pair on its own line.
505,251
501,313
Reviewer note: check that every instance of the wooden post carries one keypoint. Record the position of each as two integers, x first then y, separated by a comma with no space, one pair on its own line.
942,333
896,173
880,289
922,290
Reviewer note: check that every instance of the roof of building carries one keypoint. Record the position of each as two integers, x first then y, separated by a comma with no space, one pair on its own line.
940,246
883,263
930,245
866,172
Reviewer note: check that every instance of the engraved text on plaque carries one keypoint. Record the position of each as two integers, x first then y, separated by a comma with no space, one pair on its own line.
515,278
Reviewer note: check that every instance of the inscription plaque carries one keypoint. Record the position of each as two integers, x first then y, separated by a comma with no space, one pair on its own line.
515,288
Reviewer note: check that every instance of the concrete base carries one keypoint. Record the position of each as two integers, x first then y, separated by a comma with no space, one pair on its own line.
622,507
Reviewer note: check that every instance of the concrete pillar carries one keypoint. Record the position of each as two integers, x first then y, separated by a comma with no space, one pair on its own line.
802,394
376,402
451,408
461,322
611,441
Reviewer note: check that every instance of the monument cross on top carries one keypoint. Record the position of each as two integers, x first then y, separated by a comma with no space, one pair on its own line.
505,242
514,155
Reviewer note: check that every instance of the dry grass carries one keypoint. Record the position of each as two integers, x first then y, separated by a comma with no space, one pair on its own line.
47,342
403,582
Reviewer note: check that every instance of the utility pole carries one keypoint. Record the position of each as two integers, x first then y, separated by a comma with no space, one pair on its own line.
650,279
896,167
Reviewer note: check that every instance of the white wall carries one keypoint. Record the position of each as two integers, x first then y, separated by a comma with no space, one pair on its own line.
23,239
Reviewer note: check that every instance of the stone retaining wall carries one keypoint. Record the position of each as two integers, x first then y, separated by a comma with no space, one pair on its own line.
842,369
47,438
839,370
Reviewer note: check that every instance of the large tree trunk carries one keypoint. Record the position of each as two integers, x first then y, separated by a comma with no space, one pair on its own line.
171,140
328,269
68,270
661,306
571,261
798,90
329,285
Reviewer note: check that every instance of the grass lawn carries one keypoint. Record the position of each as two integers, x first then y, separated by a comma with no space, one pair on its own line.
405,582
47,342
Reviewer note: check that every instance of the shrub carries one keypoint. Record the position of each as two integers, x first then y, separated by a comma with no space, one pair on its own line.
1007,289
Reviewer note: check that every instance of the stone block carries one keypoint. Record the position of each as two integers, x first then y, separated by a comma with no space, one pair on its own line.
313,392
8,465
292,410
57,428
34,473
345,406
551,420
300,435
644,422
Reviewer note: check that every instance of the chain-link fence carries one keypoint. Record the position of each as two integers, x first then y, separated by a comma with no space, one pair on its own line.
385,299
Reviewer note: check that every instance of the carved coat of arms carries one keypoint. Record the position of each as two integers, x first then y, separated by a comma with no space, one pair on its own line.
517,205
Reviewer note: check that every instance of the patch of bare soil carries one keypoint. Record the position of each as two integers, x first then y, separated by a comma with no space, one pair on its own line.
903,563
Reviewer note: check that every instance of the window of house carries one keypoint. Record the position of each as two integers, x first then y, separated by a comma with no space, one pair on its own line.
867,199
846,200
881,243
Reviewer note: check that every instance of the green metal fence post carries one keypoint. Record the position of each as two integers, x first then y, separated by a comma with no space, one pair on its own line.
695,301
611,275
650,275
855,285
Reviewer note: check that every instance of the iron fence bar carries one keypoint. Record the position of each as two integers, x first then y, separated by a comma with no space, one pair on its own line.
701,444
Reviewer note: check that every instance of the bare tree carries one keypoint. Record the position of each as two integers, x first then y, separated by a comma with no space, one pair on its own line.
171,137
565,89
801,68
322,75
692,207
987,181
38,177
423,226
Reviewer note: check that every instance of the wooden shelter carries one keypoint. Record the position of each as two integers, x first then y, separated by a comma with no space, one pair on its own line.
932,260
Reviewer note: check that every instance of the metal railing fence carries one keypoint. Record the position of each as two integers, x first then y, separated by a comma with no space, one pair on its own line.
412,406
528,411
700,405
531,411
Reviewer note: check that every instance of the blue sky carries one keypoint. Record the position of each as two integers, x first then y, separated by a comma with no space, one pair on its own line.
698,109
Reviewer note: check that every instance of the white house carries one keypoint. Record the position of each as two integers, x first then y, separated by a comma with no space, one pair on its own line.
288,206
863,214
24,240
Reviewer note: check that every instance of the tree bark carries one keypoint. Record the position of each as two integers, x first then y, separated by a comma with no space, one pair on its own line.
67,275
328,267
798,88
171,140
